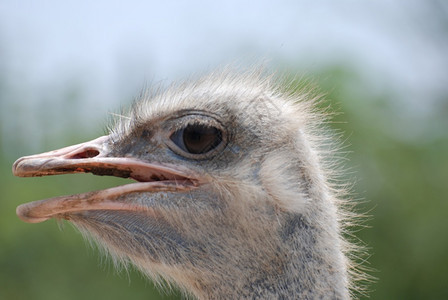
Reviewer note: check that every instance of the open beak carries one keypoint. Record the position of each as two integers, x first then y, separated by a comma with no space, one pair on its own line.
95,157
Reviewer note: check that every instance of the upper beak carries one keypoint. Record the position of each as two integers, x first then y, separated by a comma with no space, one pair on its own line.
95,157
92,157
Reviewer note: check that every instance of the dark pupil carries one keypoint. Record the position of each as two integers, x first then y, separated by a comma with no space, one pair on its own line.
200,139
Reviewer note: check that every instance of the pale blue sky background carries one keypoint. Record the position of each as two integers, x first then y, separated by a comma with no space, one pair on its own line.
107,50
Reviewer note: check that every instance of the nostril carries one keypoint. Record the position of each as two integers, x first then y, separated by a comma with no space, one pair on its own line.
89,153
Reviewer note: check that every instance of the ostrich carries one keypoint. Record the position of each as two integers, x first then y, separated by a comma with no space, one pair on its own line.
232,197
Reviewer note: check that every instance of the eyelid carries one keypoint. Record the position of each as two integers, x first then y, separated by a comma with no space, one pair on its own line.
178,123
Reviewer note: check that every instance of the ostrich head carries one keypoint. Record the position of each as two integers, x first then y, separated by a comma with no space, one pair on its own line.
231,198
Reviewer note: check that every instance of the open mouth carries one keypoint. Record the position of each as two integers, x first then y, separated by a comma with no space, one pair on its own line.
92,157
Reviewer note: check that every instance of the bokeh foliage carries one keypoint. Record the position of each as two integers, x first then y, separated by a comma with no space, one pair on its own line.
400,178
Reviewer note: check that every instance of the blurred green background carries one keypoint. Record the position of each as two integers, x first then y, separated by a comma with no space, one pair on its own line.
389,85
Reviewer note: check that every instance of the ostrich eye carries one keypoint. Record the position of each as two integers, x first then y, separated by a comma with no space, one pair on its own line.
197,138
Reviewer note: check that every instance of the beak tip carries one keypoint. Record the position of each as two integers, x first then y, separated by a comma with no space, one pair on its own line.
23,212
16,167
21,167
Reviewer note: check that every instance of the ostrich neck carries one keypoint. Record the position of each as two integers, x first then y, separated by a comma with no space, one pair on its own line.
308,265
